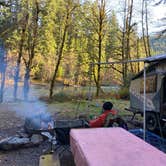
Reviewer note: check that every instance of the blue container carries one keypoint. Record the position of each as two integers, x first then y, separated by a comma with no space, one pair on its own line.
151,138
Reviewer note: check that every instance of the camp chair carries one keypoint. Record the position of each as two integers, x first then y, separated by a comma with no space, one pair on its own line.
116,121
109,117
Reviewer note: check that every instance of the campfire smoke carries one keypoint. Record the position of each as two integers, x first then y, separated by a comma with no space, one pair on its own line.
35,114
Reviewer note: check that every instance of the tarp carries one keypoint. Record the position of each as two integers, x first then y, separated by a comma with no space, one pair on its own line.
112,147
156,58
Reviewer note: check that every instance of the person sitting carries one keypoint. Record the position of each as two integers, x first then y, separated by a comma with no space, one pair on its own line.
62,134
106,110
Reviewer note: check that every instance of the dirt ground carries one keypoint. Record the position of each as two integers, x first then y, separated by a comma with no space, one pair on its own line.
10,124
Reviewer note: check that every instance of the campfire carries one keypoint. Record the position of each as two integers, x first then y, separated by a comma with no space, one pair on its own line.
38,128
38,123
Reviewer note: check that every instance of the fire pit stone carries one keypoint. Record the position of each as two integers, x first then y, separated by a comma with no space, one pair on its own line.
36,139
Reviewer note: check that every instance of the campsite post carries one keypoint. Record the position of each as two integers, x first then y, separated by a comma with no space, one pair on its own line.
144,105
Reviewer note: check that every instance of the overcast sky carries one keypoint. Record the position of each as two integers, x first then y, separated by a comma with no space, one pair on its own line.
156,13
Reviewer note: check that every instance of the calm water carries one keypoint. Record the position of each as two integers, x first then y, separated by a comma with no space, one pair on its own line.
36,91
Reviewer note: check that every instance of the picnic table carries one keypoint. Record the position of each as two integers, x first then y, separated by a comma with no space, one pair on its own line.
112,147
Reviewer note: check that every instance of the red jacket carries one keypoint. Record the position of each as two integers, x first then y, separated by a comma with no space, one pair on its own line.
99,122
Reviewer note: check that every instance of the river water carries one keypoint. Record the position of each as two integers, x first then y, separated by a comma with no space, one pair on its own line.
37,91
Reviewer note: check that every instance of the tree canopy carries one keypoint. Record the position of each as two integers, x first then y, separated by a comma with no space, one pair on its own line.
53,41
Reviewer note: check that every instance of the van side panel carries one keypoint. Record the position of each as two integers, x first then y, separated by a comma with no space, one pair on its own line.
137,96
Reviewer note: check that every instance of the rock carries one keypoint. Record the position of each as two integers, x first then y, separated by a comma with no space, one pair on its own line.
36,139
13,143
22,134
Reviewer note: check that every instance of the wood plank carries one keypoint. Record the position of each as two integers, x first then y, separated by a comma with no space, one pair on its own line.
49,160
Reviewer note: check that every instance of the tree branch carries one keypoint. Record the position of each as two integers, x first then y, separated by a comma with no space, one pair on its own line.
3,3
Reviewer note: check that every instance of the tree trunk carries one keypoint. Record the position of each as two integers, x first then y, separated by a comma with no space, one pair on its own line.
98,67
2,86
124,65
3,65
143,30
32,49
17,70
138,56
60,53
26,83
54,76
147,29
128,29
78,69
100,39
16,77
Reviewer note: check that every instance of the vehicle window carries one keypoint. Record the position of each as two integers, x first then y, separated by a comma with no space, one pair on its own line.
151,84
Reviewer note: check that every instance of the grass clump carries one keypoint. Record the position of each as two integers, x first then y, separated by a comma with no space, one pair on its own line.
124,93
63,96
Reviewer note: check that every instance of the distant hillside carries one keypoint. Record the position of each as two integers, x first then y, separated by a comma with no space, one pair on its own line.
158,45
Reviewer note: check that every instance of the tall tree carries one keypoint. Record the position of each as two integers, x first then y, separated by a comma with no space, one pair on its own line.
145,30
5,16
97,28
129,27
124,65
69,7
3,65
101,19
128,31
113,42
23,30
32,42
46,46
147,27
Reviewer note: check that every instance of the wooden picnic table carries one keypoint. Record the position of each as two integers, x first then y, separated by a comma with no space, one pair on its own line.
112,147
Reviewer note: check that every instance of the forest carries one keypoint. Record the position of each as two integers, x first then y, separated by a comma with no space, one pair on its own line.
59,41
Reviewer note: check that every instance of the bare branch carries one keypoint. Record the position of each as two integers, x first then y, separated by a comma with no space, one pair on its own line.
160,2
3,3
24,60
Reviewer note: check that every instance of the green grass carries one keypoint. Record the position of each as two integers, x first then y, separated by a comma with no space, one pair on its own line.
71,109
71,102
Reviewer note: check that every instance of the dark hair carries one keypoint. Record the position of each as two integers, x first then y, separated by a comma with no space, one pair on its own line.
107,106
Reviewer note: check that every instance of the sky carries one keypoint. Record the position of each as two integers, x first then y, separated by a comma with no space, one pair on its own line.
156,13
159,12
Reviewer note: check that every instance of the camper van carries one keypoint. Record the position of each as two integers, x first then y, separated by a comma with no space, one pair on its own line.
155,92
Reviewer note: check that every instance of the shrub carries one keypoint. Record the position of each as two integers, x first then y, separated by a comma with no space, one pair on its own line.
62,96
124,93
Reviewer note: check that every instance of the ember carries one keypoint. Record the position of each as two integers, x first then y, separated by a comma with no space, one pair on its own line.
38,122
